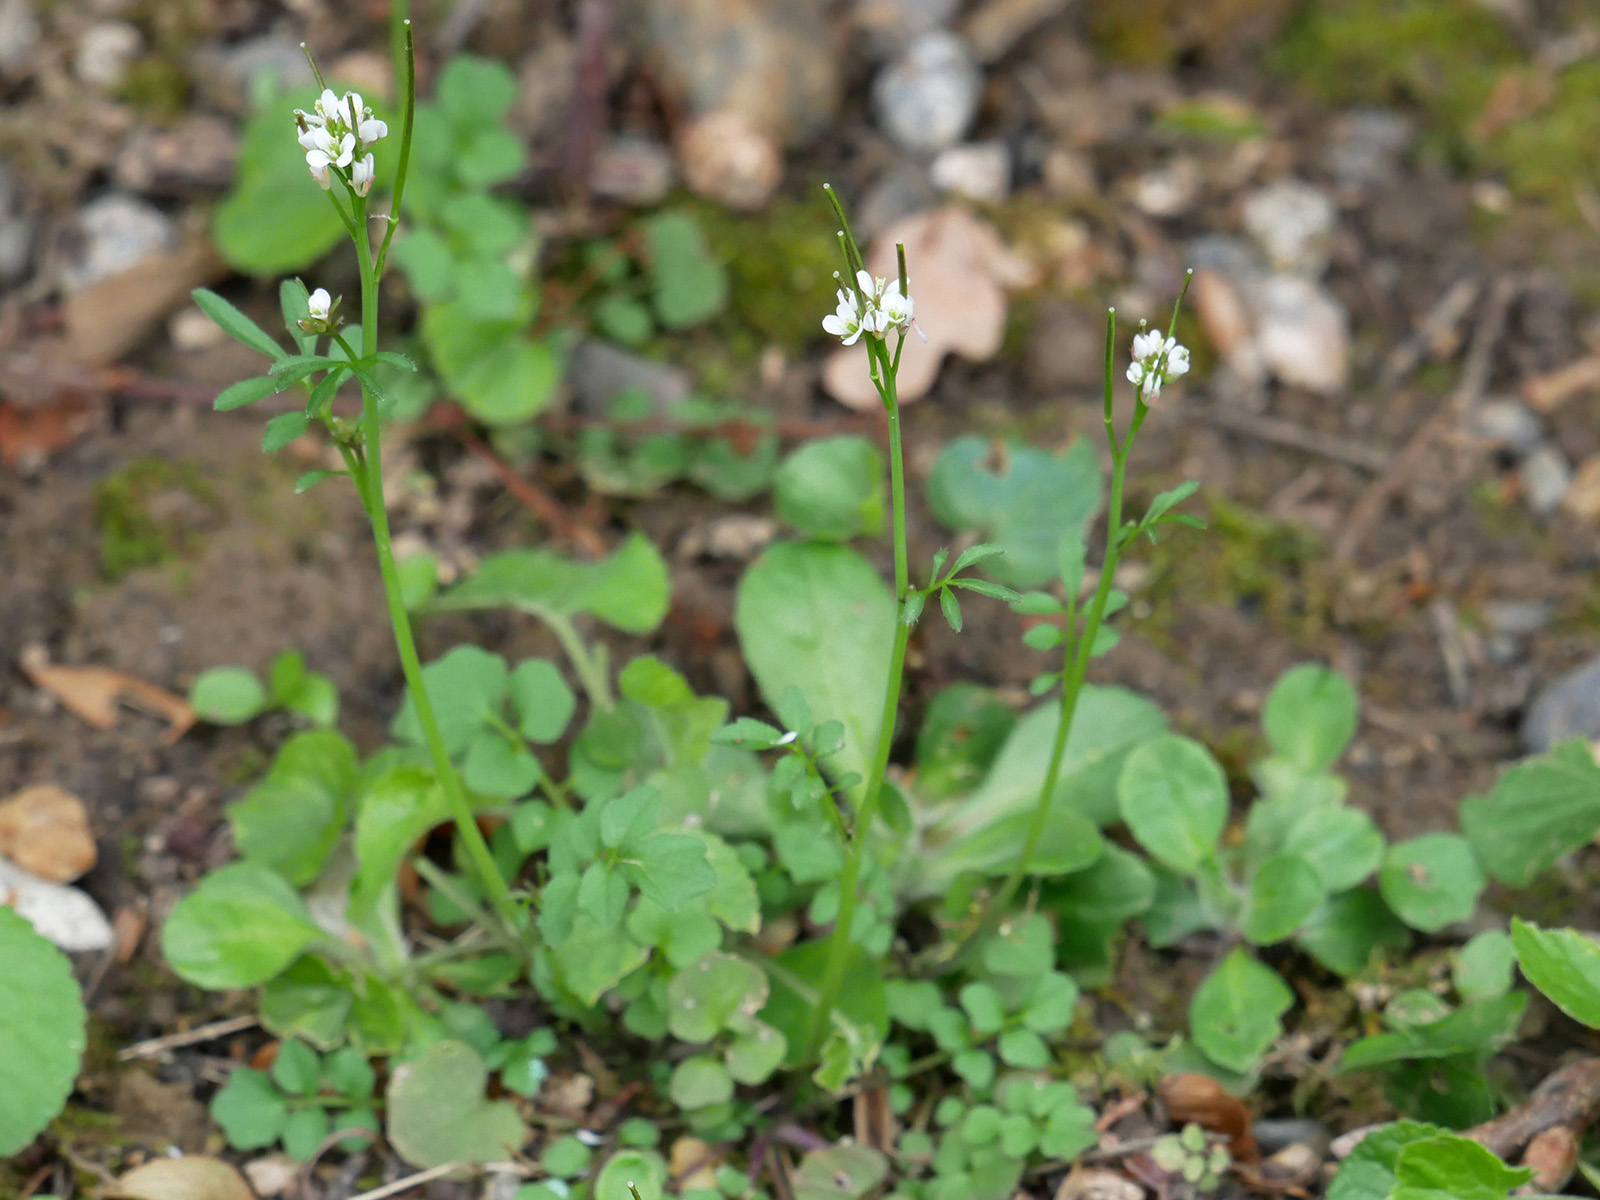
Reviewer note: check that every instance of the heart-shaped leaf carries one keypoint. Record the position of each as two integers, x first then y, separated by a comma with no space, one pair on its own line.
438,1114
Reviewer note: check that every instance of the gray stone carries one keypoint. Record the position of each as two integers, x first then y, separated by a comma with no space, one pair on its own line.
1545,475
1302,333
1238,259
105,51
1293,222
1367,146
632,170
119,232
224,73
927,97
773,64
19,33
1169,190
1275,1134
979,171
600,372
1507,422
1518,618
1569,707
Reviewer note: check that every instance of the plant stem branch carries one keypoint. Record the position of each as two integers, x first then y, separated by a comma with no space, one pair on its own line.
590,675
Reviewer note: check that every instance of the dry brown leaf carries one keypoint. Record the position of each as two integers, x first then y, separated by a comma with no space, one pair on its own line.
45,829
193,1177
693,1164
1098,1185
959,268
1199,1099
128,926
875,1122
94,693
30,434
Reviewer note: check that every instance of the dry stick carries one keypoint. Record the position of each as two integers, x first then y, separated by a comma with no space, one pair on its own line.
1474,379
410,1181
1570,1098
544,506
1288,433
203,1033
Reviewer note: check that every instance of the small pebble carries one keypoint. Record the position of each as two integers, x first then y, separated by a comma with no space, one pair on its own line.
979,171
105,51
1367,146
728,158
601,372
926,98
1506,422
1169,190
1302,333
632,170
1568,707
1545,475
1293,222
119,232
1518,617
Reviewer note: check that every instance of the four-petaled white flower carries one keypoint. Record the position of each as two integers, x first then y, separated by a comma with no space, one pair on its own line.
320,304
337,135
1157,359
873,306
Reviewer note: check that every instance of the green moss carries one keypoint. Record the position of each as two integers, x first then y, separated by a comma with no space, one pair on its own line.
1447,57
134,532
156,88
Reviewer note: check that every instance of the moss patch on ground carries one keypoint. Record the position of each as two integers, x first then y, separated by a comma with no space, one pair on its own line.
150,512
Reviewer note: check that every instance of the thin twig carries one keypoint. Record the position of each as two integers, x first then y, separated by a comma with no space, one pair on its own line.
409,1182
202,1033
1288,433
1474,379
539,502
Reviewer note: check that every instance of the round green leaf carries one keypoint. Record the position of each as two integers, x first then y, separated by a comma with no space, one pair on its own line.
1234,1013
1483,967
1174,797
1286,890
543,702
1344,932
41,1032
699,1081
1310,716
438,1114
227,695
565,1158
756,1053
250,1109
297,1069
1431,881
240,927
644,1169
1341,843
832,488
702,999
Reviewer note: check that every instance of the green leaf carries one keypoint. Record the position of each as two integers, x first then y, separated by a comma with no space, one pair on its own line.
250,1109
1431,881
1022,499
307,1000
466,688
1174,797
227,695
1369,1171
1164,501
1476,1028
756,1053
473,90
843,1172
862,1011
594,959
304,1131
291,820
283,429
1285,891
240,927
1345,931
984,1007
962,730
1563,964
42,1035
702,1000
1310,716
951,608
1024,1049
565,1158
543,702
297,1069
308,693
236,325
1051,1003
688,285
490,155
499,766
428,264
671,869
832,488
1483,968
437,1111
628,1169
750,733
1234,1013
294,301
699,1081
1070,842
393,811
629,589
1341,843
1541,809
246,391
819,618
624,319
1447,1167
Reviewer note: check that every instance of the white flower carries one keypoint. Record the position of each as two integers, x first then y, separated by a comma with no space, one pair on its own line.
1145,344
361,173
846,321
1157,360
1177,361
318,162
371,129
320,304
898,310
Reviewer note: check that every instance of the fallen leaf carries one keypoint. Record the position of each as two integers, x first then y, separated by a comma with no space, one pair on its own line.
45,829
58,913
1201,1100
93,693
273,1175
159,1114
31,433
193,1177
874,1118
958,268
693,1164
1098,1185
128,927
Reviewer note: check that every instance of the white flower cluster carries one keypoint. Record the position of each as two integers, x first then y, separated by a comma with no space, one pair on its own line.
1156,360
339,133
885,308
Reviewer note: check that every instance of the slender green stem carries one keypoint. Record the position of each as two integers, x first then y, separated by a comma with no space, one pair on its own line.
850,877
371,490
590,675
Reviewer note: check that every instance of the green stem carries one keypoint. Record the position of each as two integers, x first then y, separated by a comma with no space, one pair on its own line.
850,877
590,675
371,490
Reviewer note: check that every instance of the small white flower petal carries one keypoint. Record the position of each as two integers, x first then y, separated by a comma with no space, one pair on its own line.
864,282
1136,373
1178,362
362,173
1146,344
320,304
835,325
372,130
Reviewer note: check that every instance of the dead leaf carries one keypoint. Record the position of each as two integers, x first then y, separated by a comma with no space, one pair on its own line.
874,1118
128,927
193,1177
159,1114
1553,1155
104,321
45,829
30,434
273,1175
958,268
1098,1185
1199,1099
693,1164
94,693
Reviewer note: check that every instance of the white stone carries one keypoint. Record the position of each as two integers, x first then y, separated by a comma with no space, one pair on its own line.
60,914
1168,190
119,232
1294,224
1546,475
105,51
926,98
1302,334
979,171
